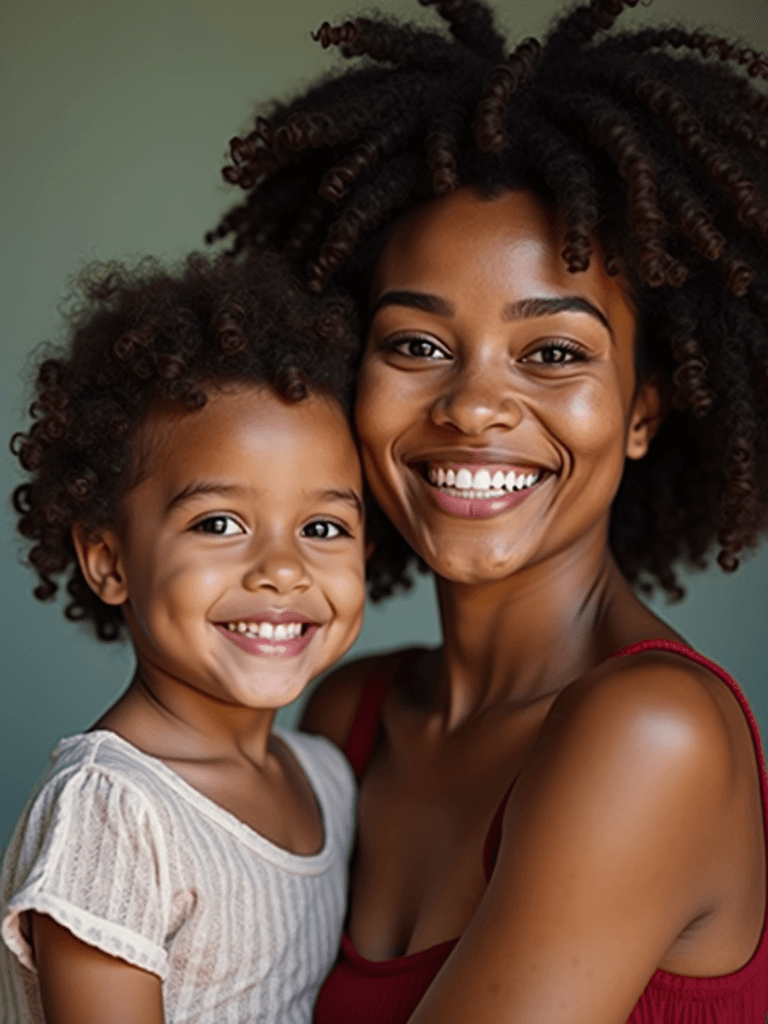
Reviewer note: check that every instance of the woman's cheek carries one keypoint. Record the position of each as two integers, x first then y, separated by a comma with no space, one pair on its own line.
592,421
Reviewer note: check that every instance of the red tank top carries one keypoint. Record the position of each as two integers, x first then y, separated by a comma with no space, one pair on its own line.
360,991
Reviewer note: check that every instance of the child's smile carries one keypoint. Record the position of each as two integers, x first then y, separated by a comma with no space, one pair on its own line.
240,548
279,635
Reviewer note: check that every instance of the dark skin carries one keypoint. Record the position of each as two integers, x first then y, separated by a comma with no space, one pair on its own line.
633,838
242,518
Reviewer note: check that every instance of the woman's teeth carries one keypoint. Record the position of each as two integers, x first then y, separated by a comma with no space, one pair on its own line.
483,483
267,630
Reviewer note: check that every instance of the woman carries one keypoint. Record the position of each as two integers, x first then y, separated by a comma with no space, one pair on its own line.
560,256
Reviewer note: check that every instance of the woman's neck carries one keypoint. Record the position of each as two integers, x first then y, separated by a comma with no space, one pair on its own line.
524,638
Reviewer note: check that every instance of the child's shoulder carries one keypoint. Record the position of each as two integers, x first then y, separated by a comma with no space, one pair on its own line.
105,753
85,754
87,800
331,708
96,773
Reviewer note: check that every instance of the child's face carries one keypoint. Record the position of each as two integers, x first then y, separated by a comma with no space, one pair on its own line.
242,546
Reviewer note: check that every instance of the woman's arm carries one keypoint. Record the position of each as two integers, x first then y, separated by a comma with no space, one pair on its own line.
611,843
81,985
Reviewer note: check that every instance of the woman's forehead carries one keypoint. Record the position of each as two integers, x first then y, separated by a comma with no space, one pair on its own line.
512,242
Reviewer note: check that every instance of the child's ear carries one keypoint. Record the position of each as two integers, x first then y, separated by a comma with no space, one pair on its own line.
647,414
99,556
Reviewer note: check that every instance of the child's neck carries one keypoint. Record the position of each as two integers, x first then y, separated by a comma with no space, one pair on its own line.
228,754
173,722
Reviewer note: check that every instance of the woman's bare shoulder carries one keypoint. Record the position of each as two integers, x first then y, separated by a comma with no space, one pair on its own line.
659,686
616,839
651,723
650,699
331,708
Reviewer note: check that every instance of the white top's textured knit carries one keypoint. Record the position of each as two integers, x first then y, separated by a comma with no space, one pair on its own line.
119,849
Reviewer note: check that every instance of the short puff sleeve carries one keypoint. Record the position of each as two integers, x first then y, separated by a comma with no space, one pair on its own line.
89,852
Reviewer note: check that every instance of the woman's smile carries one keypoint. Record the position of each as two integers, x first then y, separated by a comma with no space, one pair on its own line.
478,487
497,391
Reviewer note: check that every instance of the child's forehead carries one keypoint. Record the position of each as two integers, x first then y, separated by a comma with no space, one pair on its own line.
241,424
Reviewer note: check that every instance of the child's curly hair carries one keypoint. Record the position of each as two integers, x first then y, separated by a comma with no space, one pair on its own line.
146,334
653,142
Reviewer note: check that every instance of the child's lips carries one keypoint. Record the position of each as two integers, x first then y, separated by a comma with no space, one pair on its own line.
287,644
283,626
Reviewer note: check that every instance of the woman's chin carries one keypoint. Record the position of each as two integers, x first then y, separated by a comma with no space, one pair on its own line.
471,565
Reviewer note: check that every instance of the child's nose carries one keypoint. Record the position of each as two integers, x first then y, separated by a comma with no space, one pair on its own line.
279,569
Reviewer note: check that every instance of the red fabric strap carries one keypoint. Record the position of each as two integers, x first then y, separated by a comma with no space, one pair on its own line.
362,736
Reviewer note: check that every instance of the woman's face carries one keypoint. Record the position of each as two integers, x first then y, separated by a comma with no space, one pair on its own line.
497,398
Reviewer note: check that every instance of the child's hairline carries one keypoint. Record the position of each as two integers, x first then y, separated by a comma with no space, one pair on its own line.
137,466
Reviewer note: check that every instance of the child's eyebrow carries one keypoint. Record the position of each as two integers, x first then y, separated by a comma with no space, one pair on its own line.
346,495
200,487
196,488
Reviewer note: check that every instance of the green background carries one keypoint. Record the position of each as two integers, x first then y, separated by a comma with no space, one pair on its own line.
115,120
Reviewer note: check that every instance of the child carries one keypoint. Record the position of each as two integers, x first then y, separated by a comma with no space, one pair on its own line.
191,466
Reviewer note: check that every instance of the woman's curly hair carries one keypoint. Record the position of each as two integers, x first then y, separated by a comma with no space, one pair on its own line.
145,334
652,142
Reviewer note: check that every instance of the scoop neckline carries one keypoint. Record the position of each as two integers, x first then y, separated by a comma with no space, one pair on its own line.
310,863
408,961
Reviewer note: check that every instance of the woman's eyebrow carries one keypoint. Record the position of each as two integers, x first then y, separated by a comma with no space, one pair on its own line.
520,310
415,300
525,308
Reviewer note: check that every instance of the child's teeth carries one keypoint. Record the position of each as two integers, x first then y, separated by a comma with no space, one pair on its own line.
498,480
266,630
463,480
450,478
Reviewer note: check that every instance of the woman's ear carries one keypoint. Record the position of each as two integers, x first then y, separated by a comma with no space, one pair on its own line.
647,414
99,556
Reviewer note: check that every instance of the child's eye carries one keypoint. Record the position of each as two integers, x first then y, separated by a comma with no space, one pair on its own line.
221,525
416,348
323,529
556,353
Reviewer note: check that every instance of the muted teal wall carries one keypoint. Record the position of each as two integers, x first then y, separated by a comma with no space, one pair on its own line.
115,120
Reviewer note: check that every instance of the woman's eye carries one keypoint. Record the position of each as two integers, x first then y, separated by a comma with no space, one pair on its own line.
222,526
417,348
556,353
323,529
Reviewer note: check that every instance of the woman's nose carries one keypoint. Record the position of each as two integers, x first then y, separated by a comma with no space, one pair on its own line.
278,568
478,399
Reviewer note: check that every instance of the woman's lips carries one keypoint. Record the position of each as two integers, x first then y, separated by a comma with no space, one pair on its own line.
479,491
287,647
479,508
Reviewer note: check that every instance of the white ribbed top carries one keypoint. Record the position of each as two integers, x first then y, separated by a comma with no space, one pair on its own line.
119,849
